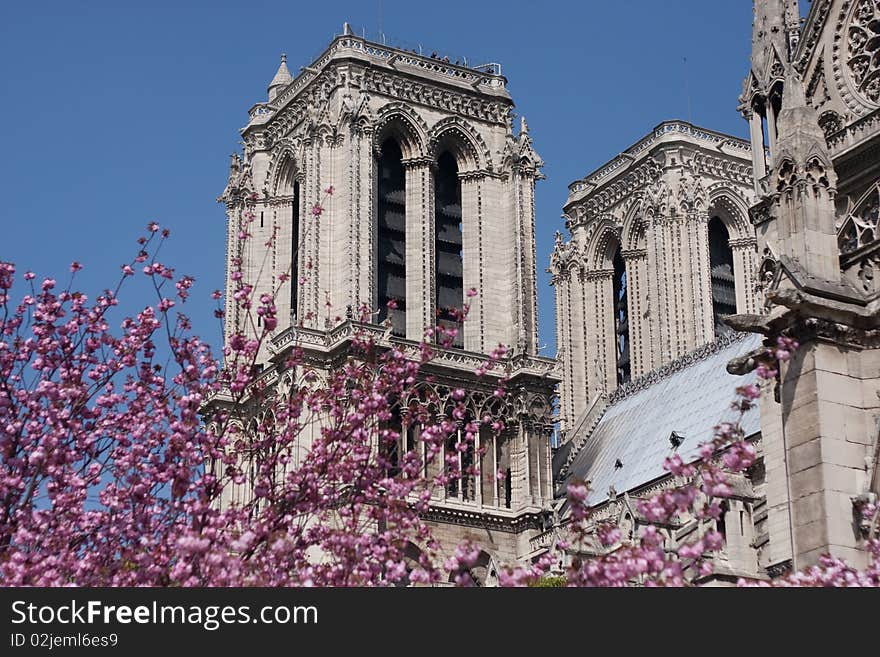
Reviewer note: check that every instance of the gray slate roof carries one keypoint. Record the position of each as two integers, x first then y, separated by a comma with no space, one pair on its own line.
635,429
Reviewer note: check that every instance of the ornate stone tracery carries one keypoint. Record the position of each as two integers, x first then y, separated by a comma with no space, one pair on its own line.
862,53
857,228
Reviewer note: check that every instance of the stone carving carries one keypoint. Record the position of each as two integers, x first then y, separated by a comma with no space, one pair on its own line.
691,193
859,226
867,272
862,40
769,273
466,139
240,184
830,122
817,89
562,256
656,198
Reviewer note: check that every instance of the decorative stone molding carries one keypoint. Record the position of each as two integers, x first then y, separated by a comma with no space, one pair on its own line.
240,185
634,254
858,227
403,122
598,274
393,85
812,32
856,53
467,143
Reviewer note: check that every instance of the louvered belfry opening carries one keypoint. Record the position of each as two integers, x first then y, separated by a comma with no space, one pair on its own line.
621,319
448,248
723,282
391,257
294,250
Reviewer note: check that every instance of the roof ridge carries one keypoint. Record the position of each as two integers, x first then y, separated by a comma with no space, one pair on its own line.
682,362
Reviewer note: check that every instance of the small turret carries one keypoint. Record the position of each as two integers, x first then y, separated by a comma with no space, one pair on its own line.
282,79
804,186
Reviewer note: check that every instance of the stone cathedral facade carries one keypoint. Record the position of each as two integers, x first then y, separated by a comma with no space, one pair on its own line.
681,257
688,252
433,194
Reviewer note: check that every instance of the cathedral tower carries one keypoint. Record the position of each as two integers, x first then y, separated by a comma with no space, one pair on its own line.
432,196
660,249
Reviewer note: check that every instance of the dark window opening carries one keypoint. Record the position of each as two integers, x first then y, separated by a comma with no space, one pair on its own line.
621,319
390,443
451,456
391,269
459,467
447,224
468,494
295,247
721,523
721,266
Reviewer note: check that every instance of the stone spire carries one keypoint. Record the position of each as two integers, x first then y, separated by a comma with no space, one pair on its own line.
282,79
775,32
804,186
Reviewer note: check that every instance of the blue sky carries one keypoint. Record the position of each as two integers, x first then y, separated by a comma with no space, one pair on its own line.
118,113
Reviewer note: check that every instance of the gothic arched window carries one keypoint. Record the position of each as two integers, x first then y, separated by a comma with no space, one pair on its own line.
721,267
391,257
447,224
294,249
621,319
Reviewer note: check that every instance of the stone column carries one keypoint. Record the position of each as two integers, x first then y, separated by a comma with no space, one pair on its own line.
527,303
561,285
310,237
689,269
282,224
330,260
756,134
662,273
579,330
472,260
488,469
339,248
232,321
771,129
600,351
363,224
420,237
702,280
744,267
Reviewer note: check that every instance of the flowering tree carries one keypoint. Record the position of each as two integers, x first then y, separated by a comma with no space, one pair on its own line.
119,449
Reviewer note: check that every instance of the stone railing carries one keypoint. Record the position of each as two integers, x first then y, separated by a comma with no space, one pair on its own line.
854,133
260,113
543,541
456,358
478,78
393,56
